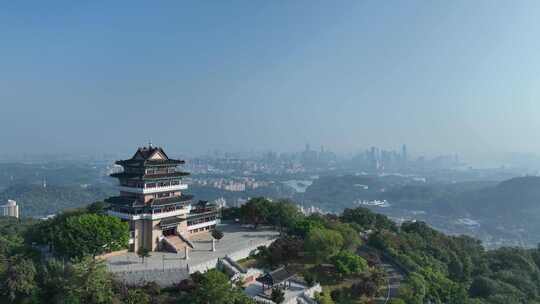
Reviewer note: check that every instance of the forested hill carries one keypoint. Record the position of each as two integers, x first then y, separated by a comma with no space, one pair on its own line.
449,269
511,198
36,200
335,193
437,268
508,199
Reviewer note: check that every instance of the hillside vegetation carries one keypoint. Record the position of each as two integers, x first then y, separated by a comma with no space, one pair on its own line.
439,268
35,200
509,199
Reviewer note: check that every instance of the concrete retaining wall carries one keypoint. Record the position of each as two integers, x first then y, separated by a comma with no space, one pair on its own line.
235,256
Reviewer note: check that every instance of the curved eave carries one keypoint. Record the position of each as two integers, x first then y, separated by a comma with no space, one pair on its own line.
192,216
147,177
133,202
150,163
123,201
171,200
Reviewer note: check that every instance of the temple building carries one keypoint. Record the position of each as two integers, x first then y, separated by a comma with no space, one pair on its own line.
153,201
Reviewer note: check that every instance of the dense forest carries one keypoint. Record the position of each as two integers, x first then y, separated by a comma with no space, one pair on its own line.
445,269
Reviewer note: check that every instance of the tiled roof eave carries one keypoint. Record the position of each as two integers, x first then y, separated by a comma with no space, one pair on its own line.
148,177
146,163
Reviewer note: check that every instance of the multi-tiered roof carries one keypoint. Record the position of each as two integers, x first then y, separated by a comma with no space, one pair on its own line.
148,166
148,157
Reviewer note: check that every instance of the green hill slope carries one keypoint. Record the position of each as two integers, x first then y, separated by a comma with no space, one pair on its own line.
38,201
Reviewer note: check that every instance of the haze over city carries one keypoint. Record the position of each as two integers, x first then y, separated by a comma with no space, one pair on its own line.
457,77
270,152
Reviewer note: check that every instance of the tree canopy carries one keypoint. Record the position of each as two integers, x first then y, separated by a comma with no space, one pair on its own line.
80,234
322,243
214,287
347,263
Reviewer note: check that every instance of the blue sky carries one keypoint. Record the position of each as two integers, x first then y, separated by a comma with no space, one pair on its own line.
441,76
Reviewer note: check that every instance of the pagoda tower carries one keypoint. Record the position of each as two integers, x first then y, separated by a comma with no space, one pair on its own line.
152,201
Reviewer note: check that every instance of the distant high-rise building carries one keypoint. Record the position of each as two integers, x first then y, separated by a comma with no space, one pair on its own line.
309,157
404,152
10,209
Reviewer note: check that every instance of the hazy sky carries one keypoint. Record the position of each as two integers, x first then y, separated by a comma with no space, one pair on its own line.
456,76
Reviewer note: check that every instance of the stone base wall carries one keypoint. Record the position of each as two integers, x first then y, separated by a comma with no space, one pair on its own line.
237,255
111,254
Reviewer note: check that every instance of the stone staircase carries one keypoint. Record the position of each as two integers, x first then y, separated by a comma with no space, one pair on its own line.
186,240
174,243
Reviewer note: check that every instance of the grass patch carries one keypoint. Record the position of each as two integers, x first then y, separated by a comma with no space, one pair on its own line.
328,278
249,262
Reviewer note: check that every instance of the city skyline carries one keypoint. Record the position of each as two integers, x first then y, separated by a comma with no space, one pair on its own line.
80,78
402,152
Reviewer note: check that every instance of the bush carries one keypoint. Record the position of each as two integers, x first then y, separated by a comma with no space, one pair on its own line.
310,279
217,234
278,296
323,243
324,298
348,263
339,295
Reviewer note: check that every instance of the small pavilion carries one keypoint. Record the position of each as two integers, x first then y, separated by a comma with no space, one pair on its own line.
278,278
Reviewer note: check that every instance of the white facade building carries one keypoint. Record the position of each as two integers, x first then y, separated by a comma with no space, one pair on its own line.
10,209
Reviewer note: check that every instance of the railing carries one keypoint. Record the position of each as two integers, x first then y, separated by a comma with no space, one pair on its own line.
202,225
150,216
154,189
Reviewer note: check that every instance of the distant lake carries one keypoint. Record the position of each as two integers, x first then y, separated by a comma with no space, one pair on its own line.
299,186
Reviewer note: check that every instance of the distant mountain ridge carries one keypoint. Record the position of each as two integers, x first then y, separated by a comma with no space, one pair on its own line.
515,197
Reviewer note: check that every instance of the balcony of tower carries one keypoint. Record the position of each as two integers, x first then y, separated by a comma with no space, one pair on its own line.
127,207
151,190
152,215
148,176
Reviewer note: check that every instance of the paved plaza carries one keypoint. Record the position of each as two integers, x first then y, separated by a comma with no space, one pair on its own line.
169,268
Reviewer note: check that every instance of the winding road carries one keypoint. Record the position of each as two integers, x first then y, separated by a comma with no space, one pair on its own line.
394,276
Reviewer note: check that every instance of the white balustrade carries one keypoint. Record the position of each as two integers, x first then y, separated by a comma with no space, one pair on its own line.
153,189
148,216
